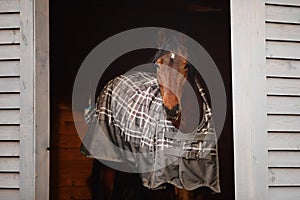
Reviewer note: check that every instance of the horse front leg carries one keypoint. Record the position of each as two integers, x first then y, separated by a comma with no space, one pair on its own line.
102,178
107,181
182,194
198,194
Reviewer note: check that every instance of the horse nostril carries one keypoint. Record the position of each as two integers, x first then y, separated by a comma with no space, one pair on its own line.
172,113
176,109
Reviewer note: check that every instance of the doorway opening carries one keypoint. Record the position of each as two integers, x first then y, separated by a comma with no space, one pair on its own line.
77,26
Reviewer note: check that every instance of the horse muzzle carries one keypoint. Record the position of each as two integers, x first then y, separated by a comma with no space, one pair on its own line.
172,114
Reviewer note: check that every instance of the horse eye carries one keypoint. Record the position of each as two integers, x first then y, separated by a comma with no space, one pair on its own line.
160,61
185,64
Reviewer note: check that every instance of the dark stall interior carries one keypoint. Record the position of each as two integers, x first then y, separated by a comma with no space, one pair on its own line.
77,26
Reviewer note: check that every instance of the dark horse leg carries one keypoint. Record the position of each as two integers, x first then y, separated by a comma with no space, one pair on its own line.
198,194
201,194
128,186
107,184
101,183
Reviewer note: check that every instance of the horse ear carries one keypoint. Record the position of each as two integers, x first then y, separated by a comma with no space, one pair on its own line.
181,38
181,45
161,38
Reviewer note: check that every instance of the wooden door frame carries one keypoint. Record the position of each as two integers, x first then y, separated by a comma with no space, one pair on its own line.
34,100
249,99
42,99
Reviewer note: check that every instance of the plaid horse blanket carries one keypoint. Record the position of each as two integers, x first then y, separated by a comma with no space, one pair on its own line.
128,125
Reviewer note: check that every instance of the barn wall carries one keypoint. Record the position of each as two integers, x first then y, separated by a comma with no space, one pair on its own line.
283,97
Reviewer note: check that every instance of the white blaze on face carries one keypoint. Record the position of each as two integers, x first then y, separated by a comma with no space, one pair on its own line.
171,75
172,55
171,84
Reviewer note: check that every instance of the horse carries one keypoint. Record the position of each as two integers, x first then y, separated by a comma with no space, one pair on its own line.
166,87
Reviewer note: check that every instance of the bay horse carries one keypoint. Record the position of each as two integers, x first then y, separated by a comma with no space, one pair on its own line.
172,73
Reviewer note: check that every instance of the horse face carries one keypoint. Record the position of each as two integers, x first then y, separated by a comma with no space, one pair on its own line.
171,75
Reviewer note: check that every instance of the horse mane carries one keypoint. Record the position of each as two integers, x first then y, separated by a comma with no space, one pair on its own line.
195,75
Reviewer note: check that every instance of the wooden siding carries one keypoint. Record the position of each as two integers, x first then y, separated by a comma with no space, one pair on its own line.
283,97
282,14
284,2
284,193
11,194
284,159
287,50
9,180
9,133
283,32
282,141
9,149
283,68
283,105
9,99
9,6
9,20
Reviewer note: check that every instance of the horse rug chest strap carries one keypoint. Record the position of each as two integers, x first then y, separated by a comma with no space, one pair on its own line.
191,146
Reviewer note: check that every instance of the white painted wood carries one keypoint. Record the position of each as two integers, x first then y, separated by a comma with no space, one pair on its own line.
9,36
290,50
285,32
284,159
27,138
284,177
10,68
248,81
9,116
283,123
284,193
284,141
10,133
9,52
283,14
284,2
11,194
283,68
9,6
9,165
42,104
283,38
9,21
10,84
9,180
9,149
282,86
9,101
24,100
283,105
